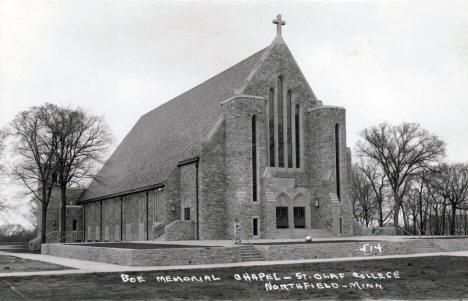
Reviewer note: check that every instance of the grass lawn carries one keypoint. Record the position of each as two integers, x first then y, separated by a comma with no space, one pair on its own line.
441,277
15,264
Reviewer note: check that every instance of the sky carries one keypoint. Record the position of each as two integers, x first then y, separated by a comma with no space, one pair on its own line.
389,61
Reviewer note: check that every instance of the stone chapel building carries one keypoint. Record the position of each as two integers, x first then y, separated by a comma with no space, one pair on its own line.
252,143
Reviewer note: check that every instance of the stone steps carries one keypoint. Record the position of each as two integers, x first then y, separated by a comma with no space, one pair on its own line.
249,253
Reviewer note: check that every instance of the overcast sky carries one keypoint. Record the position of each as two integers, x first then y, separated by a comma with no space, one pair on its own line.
383,61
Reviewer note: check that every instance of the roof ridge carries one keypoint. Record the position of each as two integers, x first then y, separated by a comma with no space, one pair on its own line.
277,40
168,134
209,79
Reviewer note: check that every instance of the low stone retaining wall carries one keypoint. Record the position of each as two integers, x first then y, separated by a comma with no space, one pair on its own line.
455,244
355,249
145,257
207,255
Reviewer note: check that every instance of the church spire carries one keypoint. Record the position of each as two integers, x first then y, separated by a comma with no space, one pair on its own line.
278,23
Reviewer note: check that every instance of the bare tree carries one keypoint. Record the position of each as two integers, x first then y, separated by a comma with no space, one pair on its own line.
364,199
81,140
3,206
400,151
35,145
2,148
454,188
379,185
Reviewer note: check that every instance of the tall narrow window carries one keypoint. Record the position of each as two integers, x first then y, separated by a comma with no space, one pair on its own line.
271,125
289,128
255,227
254,160
283,120
337,162
298,135
280,122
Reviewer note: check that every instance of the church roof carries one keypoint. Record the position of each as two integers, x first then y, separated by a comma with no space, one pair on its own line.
168,135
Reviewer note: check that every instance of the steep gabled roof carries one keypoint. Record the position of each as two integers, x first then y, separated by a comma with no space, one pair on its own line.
168,134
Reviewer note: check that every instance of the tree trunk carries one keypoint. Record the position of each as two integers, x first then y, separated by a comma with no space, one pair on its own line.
380,214
396,211
466,225
453,221
443,218
63,213
465,228
43,222
430,221
405,220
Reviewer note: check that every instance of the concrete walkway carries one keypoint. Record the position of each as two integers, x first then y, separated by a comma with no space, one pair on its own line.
83,266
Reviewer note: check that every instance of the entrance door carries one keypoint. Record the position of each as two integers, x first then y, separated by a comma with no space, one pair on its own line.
299,217
281,217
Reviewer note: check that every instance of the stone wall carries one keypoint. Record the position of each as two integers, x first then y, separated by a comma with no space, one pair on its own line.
188,193
212,182
321,123
225,178
180,230
145,257
207,255
238,113
74,215
170,198
353,249
316,176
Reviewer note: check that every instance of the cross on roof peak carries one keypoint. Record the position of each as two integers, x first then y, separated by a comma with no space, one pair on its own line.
278,23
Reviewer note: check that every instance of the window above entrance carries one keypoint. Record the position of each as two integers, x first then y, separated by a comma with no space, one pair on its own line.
283,127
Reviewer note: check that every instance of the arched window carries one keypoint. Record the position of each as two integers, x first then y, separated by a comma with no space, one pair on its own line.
254,160
298,135
279,87
289,128
337,162
271,125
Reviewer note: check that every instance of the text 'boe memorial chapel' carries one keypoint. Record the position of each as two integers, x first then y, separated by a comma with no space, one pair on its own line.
252,143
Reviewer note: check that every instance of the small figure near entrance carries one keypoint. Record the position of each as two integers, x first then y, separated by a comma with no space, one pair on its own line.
237,231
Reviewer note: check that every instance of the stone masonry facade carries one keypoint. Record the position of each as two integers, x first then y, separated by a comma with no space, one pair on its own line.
205,194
